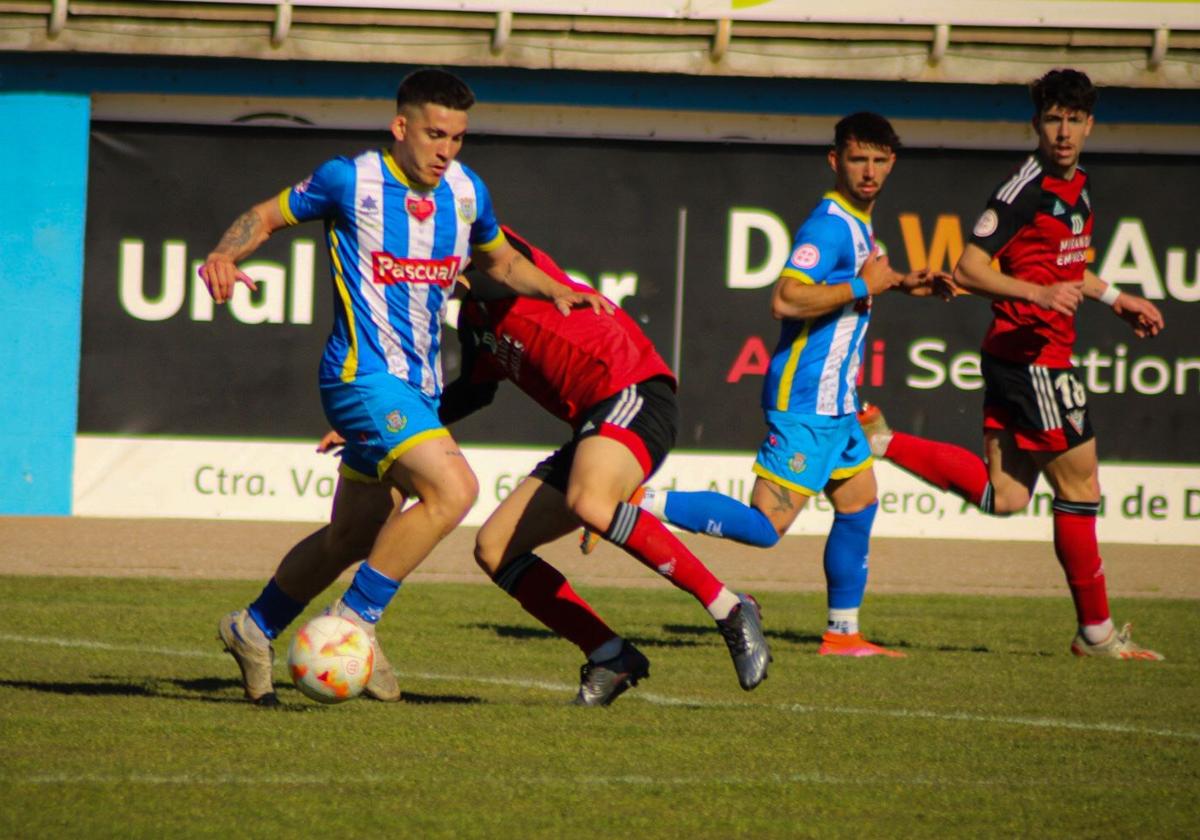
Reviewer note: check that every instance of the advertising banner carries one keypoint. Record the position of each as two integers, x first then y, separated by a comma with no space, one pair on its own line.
687,237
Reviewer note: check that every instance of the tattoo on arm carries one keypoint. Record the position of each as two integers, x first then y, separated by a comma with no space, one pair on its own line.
241,234
783,499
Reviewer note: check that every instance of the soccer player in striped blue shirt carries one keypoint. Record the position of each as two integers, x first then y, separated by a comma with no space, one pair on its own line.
400,224
813,442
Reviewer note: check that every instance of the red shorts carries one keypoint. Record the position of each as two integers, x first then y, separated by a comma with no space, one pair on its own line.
1044,409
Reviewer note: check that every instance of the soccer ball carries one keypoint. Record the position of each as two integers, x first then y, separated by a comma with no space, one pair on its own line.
330,659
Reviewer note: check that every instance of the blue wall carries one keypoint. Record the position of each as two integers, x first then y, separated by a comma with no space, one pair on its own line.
43,191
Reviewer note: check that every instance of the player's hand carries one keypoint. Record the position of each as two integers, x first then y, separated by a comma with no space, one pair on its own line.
1063,298
1142,315
568,299
926,283
220,274
942,284
878,274
331,441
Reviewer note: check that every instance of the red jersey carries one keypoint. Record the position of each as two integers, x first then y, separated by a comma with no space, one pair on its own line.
1040,228
566,363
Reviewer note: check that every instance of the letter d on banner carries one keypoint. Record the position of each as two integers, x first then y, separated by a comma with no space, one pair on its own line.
743,223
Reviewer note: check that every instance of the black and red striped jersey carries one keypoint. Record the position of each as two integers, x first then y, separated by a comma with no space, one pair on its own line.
1039,228
566,363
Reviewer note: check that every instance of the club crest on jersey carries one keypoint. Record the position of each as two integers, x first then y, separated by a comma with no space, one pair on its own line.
797,462
466,209
420,207
1075,418
806,256
388,270
396,421
987,223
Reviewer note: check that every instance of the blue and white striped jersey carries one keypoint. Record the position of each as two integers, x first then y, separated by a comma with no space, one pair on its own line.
815,364
395,253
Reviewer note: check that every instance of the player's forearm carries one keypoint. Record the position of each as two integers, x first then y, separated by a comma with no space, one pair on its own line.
1097,288
245,235
522,276
974,273
793,299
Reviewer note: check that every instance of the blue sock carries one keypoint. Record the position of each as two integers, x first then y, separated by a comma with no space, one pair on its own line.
370,592
718,515
274,610
846,551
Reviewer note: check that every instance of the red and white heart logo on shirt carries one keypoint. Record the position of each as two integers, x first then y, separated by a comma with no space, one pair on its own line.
419,207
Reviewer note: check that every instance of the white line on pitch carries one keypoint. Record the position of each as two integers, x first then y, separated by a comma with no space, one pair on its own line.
227,779
661,699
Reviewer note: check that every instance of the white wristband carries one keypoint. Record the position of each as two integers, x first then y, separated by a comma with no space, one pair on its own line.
1110,295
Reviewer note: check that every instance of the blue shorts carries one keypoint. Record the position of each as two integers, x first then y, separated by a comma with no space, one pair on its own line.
804,452
381,417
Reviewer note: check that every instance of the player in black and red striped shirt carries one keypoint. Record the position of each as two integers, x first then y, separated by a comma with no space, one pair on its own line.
600,374
1038,226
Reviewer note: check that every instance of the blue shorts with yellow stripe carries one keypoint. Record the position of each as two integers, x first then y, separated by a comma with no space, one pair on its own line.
381,417
804,452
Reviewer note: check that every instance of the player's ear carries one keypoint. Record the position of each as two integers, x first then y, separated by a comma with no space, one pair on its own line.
1087,126
399,127
833,159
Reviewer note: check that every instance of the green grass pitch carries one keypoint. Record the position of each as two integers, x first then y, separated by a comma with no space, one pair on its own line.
121,718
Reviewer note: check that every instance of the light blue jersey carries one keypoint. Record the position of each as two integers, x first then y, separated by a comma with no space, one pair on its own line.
815,364
395,253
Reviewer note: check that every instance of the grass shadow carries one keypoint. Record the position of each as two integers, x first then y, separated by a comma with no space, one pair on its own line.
104,686
513,631
412,698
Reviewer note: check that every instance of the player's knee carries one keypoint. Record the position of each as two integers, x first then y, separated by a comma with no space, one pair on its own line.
594,511
489,552
1009,501
771,531
451,501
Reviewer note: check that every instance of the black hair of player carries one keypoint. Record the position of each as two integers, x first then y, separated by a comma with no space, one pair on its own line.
432,86
867,128
1066,88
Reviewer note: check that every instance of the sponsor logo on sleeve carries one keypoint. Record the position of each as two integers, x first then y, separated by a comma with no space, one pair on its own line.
303,185
986,224
806,256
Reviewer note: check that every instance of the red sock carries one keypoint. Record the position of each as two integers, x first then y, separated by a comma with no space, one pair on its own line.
945,465
547,596
647,539
1079,555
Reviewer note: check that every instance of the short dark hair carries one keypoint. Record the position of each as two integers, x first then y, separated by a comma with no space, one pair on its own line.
430,85
867,128
1066,88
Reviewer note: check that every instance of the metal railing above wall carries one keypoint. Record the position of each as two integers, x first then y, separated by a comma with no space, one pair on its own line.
1138,44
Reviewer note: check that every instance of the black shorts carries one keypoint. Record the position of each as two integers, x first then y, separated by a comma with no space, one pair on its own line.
644,417
1044,409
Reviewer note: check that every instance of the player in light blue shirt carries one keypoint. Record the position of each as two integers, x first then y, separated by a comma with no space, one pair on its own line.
814,443
400,224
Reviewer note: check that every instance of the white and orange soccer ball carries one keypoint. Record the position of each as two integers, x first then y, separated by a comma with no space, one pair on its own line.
330,659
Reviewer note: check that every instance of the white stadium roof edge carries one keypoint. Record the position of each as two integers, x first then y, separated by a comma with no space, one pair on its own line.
1119,42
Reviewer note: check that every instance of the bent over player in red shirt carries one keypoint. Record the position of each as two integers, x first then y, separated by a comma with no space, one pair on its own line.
602,376
1038,224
